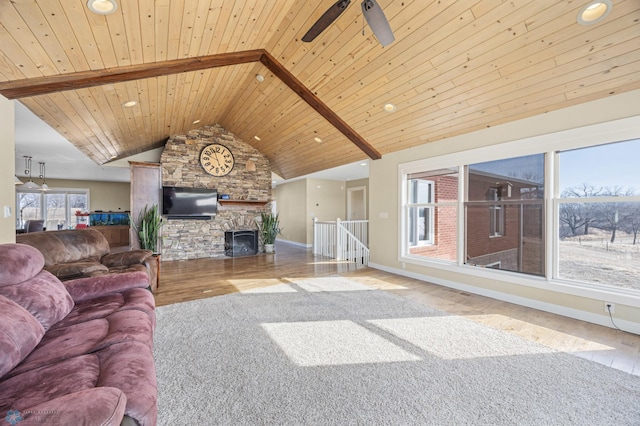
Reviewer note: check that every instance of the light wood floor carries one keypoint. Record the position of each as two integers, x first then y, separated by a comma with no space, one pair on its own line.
195,279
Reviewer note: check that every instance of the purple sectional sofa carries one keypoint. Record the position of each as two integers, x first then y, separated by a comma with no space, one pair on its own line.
74,352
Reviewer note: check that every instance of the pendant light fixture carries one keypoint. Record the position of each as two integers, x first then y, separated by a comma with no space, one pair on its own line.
30,184
44,186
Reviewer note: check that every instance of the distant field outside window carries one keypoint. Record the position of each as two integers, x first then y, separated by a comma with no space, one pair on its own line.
599,214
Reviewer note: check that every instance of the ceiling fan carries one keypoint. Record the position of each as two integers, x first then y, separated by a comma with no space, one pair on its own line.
372,13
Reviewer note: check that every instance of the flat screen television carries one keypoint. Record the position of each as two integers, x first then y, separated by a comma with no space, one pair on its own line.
189,202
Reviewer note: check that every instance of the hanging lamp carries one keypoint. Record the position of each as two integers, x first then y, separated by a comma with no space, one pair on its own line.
44,186
30,184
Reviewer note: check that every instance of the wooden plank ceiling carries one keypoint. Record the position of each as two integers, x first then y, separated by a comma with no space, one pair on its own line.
455,67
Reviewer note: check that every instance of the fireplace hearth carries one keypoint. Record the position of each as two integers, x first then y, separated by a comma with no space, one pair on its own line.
241,243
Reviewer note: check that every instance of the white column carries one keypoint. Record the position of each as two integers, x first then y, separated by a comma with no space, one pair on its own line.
7,171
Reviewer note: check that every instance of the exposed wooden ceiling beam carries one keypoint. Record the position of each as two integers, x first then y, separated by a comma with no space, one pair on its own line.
79,80
301,90
52,84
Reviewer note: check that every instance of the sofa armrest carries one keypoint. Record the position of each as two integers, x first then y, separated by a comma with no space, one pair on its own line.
95,406
88,288
126,258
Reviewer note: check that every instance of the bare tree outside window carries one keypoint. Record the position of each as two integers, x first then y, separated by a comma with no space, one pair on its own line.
578,217
56,207
28,206
631,221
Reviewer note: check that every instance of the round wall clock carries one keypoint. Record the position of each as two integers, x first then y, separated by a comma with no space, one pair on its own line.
216,159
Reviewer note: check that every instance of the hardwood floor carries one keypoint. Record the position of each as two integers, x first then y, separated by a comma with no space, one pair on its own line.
196,279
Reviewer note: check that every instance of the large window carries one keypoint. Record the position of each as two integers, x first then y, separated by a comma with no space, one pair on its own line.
571,216
505,214
599,215
56,207
431,213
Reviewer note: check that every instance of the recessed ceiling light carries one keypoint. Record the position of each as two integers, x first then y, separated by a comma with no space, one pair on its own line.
260,78
256,137
102,7
196,122
113,157
129,104
594,12
363,164
317,139
390,107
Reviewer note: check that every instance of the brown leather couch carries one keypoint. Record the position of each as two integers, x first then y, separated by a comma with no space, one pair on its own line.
78,253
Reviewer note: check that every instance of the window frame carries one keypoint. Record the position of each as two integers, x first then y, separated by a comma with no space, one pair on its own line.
548,144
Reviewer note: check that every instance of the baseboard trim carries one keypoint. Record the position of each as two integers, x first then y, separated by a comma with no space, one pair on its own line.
603,320
294,243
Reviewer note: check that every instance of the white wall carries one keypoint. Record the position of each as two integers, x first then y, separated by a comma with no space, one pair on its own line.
384,213
7,170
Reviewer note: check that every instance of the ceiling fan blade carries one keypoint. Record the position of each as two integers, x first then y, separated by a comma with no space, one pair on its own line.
326,19
377,22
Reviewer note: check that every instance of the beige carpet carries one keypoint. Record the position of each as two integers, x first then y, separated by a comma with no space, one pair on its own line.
329,351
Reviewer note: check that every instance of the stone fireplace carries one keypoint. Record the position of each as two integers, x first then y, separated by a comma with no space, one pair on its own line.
248,187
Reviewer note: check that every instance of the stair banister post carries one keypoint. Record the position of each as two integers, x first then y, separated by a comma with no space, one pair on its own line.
338,240
315,235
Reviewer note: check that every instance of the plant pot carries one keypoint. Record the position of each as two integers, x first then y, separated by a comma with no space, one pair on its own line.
268,248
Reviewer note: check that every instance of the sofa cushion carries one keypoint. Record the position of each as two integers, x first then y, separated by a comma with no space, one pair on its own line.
100,307
51,247
129,366
98,406
77,269
130,268
49,382
44,296
20,332
126,258
88,337
19,263
124,366
91,287
68,245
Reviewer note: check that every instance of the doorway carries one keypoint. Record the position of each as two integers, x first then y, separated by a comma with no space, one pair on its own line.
357,203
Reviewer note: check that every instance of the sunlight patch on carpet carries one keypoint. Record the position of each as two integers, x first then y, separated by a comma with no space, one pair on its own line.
323,343
452,337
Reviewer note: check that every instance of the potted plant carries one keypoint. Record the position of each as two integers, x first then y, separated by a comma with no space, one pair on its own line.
269,228
149,228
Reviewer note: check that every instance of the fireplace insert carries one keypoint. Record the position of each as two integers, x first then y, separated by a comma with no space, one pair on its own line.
241,243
